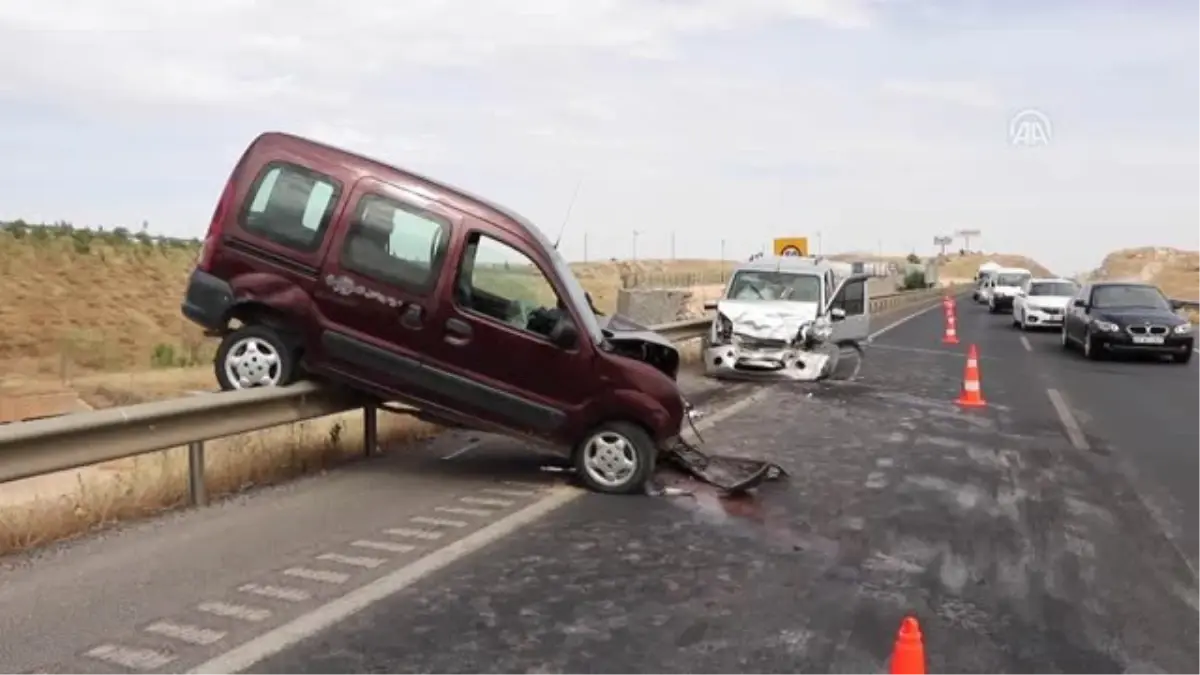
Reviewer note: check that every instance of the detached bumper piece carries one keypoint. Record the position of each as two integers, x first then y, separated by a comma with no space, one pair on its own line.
731,474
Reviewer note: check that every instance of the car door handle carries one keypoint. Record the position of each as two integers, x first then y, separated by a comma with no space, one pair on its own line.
458,332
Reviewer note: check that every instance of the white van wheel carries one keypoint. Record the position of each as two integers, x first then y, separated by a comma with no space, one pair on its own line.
616,458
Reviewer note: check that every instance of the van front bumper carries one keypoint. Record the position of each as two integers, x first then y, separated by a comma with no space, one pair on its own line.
207,301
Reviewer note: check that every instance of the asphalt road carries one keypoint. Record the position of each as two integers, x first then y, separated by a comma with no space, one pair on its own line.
1017,551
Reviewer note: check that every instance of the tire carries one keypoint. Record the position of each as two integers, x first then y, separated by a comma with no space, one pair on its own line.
1089,347
991,307
268,359
1182,358
1066,341
631,455
1017,323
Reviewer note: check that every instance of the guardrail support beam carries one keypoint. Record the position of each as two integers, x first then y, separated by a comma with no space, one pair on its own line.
197,493
370,430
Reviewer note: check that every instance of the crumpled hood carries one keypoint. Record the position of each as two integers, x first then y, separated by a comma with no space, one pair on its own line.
767,319
625,329
1048,301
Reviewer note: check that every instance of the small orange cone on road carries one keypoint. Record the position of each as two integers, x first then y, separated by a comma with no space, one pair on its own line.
908,654
951,336
972,394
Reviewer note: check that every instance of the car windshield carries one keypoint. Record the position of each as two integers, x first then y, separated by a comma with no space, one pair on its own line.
1010,279
1056,288
575,292
755,285
1115,297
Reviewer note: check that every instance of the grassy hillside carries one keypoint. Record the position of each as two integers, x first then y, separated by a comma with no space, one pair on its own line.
77,302
957,266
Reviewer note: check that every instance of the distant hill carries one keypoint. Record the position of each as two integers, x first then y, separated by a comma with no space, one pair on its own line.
1175,271
964,267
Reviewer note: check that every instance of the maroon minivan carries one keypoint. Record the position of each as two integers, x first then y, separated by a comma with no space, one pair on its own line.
322,262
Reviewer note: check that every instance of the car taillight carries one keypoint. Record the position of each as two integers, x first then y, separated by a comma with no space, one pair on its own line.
212,238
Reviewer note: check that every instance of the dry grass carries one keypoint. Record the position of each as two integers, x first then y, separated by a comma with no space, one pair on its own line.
1175,271
70,503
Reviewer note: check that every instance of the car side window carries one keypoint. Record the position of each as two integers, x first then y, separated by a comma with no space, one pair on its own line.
852,297
500,282
291,206
395,243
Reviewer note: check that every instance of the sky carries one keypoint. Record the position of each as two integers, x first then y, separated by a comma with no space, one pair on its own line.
1059,129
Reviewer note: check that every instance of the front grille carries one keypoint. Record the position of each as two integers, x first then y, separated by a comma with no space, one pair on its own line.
1148,329
760,343
1052,311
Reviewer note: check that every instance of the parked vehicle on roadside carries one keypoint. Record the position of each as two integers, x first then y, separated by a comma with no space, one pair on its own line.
1042,302
788,318
323,263
1003,287
1108,318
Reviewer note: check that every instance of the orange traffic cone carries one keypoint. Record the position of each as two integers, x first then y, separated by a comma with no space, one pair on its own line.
951,336
908,654
972,394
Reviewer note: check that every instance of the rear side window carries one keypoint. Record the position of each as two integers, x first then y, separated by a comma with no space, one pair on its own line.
395,243
291,206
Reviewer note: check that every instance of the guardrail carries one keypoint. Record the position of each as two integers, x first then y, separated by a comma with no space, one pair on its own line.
38,447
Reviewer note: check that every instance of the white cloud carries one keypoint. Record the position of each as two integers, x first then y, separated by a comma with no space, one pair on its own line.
729,119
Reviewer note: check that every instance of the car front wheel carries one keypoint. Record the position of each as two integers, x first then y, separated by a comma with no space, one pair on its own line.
616,458
254,356
1090,350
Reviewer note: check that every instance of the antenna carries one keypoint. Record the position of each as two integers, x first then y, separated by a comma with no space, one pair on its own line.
570,205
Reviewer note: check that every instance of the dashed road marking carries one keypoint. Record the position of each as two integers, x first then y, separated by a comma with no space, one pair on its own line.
131,657
1074,431
325,576
232,611
486,501
190,634
469,446
415,534
463,511
524,484
510,493
277,592
439,522
1025,343
353,560
389,546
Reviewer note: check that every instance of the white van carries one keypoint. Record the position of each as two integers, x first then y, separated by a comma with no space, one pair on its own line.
1003,285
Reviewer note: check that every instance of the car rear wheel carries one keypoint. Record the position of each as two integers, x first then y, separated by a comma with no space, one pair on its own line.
254,356
616,458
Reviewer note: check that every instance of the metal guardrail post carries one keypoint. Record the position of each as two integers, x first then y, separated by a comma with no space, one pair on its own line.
370,430
197,494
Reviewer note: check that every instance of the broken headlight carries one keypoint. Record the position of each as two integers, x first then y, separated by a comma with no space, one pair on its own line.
822,329
722,330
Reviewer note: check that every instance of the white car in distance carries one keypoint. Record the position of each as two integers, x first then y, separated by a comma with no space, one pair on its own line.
1042,303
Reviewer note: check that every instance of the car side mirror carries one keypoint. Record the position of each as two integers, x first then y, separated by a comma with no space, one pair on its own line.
1177,304
837,314
1082,304
710,306
564,334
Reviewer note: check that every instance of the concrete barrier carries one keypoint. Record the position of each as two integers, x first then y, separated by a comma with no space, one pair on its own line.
654,306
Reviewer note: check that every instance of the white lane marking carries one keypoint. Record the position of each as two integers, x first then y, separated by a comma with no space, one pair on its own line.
1074,431
389,546
312,623
511,493
462,511
1025,342
439,522
538,487
194,635
131,657
353,560
232,611
486,501
469,446
926,350
277,592
317,575
415,534
904,320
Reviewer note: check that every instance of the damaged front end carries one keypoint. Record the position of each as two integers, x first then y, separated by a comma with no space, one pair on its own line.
767,340
730,474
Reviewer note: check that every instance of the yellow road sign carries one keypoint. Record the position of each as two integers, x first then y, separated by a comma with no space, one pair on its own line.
791,246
